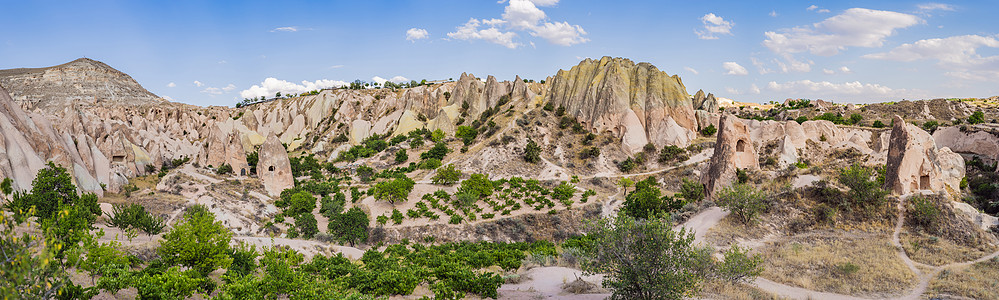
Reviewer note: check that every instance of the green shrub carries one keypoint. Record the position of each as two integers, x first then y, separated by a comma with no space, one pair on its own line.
466,134
931,126
396,190
125,216
691,190
224,169
438,151
199,242
532,152
743,200
865,190
627,165
477,184
306,225
801,119
647,201
397,216
401,156
709,131
855,118
672,153
447,175
878,124
922,212
741,175
350,227
976,118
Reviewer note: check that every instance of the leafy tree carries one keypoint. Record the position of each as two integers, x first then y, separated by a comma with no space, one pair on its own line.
625,183
627,165
447,175
224,169
199,242
743,200
397,216
709,131
396,190
64,214
865,189
478,184
878,124
564,191
365,173
672,153
125,216
252,159
801,119
691,190
301,202
28,265
7,186
401,156
923,212
855,118
306,225
437,135
645,259
467,134
532,152
976,118
931,126
438,151
647,201
350,227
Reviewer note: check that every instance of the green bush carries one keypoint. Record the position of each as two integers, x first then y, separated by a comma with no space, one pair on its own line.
397,216
647,201
691,190
741,175
627,165
709,131
350,227
438,151
532,152
878,124
401,156
976,118
447,175
467,134
199,242
931,126
743,200
922,212
855,118
306,225
252,159
865,190
672,153
801,119
125,216
477,184
396,190
224,169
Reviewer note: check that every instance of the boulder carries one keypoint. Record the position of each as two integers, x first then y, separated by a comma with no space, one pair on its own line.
706,103
914,162
733,150
274,167
973,141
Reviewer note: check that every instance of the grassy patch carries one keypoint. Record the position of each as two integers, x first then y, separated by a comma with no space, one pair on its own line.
978,281
854,264
726,290
936,251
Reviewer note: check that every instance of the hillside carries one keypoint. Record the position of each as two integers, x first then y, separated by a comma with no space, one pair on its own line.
490,188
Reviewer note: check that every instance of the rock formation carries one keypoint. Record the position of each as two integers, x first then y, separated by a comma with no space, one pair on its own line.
915,163
274,167
978,142
635,102
706,103
83,80
733,150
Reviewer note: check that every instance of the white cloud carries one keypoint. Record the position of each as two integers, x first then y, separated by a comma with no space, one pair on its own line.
270,86
773,13
753,89
760,66
845,70
928,7
691,70
812,7
822,10
847,90
198,83
218,91
957,53
336,66
414,34
731,90
713,26
396,79
170,85
561,34
525,16
856,27
816,9
222,62
471,31
828,71
285,29
734,68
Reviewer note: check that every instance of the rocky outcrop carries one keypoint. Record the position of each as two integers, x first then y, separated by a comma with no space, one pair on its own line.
636,103
274,167
978,142
706,103
914,162
733,150
82,81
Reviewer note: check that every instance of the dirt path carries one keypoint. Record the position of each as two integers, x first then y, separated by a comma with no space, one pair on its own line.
706,219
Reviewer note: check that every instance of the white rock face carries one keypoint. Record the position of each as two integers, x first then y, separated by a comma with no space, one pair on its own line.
274,167
733,150
974,142
914,162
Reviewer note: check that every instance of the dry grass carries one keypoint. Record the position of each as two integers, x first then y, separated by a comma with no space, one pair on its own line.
730,231
737,291
853,264
978,281
936,251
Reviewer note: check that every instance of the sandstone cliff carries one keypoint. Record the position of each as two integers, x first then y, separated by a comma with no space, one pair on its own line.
915,163
635,102
83,80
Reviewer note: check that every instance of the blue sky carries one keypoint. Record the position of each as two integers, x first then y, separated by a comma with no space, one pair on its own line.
218,52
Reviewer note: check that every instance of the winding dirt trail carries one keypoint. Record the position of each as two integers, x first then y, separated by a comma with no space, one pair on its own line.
710,217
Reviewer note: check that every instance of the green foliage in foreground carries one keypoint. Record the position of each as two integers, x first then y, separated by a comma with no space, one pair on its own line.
199,242
744,201
646,259
135,216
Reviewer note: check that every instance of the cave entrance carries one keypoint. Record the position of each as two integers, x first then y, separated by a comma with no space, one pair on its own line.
270,168
924,182
740,146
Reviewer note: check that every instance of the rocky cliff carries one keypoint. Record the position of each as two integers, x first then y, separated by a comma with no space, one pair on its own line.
635,102
82,81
